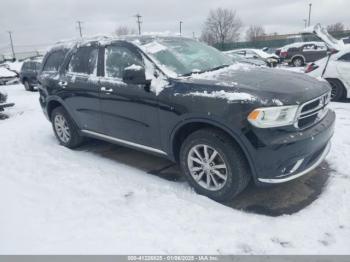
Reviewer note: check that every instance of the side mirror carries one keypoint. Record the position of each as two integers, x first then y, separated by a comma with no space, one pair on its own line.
135,75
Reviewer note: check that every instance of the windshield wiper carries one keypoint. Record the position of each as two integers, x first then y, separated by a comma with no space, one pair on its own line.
204,71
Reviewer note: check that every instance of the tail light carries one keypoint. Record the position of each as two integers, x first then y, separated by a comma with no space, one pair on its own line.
283,54
311,67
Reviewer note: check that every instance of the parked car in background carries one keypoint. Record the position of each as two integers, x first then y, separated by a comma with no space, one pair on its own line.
298,54
6,75
240,59
336,70
29,72
270,60
181,99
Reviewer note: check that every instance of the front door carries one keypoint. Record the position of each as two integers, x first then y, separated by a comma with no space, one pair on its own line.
129,112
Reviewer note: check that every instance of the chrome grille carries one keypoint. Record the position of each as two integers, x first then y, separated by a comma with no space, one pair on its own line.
312,111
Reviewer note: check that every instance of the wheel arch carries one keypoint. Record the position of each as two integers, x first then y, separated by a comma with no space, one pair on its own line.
298,56
182,131
345,90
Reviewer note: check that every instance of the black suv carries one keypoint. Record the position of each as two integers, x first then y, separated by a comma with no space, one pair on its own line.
298,54
224,123
29,73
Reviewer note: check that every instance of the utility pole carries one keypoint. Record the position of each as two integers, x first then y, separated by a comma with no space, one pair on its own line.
79,26
181,28
138,17
13,51
310,5
305,22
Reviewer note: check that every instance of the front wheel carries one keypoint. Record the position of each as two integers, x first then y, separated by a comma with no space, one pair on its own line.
298,61
214,165
65,129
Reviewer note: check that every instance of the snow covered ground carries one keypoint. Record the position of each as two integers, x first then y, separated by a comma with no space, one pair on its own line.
58,201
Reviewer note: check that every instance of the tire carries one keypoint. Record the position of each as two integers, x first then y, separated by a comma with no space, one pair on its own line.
298,61
66,131
236,174
27,86
338,89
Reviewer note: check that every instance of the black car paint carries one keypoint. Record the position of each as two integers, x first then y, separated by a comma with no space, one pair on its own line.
134,114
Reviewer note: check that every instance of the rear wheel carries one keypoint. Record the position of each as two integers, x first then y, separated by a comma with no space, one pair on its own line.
298,61
338,90
27,86
65,129
214,165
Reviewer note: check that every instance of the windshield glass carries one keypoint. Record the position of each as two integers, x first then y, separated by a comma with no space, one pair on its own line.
185,56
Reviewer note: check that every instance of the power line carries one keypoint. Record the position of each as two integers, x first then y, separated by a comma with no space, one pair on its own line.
79,26
138,17
13,51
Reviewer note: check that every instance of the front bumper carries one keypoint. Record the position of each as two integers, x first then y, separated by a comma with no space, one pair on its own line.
292,176
283,155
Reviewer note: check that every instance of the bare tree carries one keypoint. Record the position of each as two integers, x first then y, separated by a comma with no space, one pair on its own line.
254,32
221,26
337,27
124,30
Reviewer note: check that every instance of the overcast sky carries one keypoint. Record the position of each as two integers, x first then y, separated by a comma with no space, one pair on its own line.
42,22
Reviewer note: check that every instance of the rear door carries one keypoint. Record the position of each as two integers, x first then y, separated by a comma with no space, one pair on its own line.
130,112
314,52
81,88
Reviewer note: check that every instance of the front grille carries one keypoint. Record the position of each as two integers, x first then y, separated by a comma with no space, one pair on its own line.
312,111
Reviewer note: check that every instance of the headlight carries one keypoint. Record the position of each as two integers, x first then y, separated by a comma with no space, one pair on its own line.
266,117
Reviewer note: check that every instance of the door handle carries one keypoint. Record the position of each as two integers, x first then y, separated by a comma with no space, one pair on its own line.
62,84
106,90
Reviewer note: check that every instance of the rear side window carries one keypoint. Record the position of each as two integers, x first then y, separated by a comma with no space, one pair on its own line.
345,57
84,61
54,61
117,58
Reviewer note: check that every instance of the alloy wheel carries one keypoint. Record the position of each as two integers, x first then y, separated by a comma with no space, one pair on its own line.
207,167
62,128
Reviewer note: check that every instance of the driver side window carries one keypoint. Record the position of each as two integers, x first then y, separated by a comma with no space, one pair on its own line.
117,58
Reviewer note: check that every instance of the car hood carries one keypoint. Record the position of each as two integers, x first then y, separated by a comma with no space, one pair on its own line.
322,33
268,86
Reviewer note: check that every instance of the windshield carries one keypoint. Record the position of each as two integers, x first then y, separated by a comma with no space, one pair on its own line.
185,56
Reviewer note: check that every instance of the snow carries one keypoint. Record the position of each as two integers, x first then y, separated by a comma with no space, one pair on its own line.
300,44
153,47
215,75
6,73
134,67
15,66
59,201
229,96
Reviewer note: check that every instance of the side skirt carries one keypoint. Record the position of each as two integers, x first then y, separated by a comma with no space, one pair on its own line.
123,142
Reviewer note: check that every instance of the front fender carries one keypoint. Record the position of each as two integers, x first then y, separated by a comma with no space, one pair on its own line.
236,135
